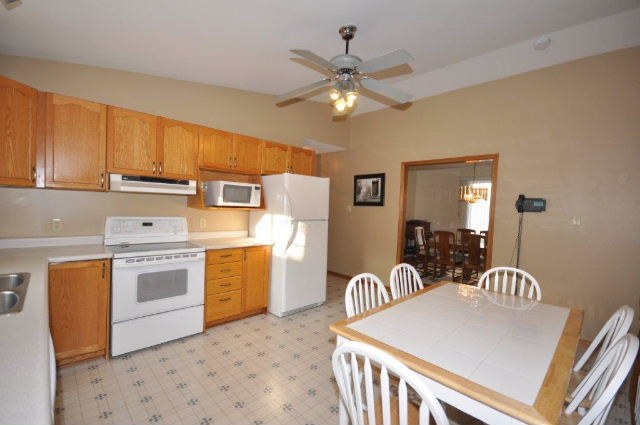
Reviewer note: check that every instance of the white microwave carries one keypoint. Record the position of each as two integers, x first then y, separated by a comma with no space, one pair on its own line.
219,193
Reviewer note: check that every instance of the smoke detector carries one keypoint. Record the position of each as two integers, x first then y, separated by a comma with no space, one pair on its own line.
541,43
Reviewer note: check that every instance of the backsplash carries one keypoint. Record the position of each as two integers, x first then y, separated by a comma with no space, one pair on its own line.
28,212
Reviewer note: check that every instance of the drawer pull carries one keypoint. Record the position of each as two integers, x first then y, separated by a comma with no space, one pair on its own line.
225,270
224,299
226,255
225,284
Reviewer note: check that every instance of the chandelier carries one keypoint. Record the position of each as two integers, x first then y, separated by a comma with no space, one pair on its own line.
471,194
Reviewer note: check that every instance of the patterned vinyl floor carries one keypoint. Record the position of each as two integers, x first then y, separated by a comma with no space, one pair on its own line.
261,370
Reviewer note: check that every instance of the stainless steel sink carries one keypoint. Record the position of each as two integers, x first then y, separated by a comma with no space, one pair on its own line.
13,291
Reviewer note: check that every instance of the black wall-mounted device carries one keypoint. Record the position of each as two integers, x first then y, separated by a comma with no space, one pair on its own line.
524,204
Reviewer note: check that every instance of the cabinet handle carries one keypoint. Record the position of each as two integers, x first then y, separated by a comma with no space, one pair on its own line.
226,255
225,284
34,175
154,167
225,270
222,300
160,169
104,269
235,162
231,161
101,179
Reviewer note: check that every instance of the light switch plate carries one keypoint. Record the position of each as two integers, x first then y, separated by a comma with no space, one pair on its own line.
203,223
56,224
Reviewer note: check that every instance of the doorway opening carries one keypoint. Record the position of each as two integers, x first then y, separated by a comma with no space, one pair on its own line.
447,207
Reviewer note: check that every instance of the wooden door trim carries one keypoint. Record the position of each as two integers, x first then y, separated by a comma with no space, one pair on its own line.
404,175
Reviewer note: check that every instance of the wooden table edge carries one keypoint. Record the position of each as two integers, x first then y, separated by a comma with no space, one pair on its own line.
535,415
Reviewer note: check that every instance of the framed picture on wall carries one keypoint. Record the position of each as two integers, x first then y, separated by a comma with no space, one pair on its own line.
368,190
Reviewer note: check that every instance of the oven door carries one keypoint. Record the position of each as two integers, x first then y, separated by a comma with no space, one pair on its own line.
144,290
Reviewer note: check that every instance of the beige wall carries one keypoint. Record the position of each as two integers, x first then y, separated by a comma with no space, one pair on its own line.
26,212
569,133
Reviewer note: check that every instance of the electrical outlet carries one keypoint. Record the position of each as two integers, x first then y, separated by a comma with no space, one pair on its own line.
203,223
577,220
56,224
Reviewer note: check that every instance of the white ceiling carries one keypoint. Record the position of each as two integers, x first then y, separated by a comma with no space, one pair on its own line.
245,44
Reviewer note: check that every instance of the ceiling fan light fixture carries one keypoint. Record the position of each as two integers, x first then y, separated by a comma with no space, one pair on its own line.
334,94
340,105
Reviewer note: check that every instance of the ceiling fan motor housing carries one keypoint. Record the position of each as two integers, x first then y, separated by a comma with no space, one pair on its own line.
345,61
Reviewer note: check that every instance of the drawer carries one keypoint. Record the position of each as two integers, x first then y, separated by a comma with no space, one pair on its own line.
219,271
216,286
224,305
221,256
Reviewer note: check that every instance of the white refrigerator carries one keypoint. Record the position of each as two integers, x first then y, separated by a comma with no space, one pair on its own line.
296,221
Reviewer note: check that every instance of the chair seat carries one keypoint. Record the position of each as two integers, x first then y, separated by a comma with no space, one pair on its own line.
413,412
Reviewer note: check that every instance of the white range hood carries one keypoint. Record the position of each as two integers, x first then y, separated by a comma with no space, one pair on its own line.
146,184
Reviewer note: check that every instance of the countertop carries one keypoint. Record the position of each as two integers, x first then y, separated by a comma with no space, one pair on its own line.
24,351
221,243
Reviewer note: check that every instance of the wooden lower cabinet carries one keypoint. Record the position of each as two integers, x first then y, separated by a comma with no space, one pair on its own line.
237,283
79,309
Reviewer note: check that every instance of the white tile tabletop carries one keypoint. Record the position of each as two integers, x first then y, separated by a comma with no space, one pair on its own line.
501,342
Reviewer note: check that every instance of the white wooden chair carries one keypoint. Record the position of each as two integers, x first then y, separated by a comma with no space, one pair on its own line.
598,389
405,280
364,292
512,281
616,327
354,372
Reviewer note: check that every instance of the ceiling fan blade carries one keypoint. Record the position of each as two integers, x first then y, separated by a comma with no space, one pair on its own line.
305,89
390,60
385,90
314,58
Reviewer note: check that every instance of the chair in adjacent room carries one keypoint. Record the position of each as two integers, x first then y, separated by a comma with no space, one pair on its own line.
474,261
445,256
364,292
404,280
357,366
424,255
512,281
596,392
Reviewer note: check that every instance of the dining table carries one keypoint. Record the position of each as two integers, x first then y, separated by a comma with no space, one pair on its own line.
500,358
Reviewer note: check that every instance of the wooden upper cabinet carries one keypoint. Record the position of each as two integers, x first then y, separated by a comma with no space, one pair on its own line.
18,106
131,142
78,308
256,277
301,161
177,149
216,149
76,143
274,158
247,154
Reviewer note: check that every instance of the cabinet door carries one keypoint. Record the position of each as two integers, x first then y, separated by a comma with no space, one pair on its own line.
78,303
301,161
131,142
256,277
177,149
247,154
216,149
76,143
274,158
18,104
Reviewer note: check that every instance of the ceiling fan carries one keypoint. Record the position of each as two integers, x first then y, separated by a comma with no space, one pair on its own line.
349,73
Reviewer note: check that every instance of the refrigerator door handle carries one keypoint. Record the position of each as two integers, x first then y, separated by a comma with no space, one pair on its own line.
292,234
287,206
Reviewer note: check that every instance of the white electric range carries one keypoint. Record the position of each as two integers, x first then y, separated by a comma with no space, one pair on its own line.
157,289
